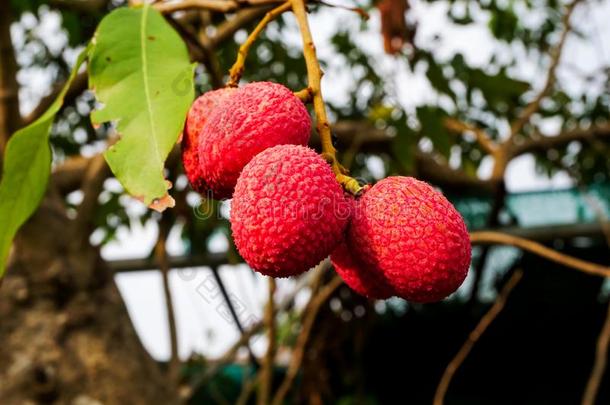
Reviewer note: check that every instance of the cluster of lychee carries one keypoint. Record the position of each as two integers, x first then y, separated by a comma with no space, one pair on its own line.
399,237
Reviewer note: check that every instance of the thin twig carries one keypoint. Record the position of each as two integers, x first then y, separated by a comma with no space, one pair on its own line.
599,366
227,357
199,48
311,279
314,78
310,313
222,6
227,29
555,54
483,139
231,307
601,352
358,10
490,237
266,372
246,390
210,59
238,67
304,95
541,143
162,261
474,336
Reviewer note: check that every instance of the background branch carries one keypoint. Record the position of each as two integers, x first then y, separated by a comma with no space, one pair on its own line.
247,389
310,314
555,55
222,6
266,372
474,336
312,278
231,307
603,339
541,143
427,165
209,56
163,263
599,366
242,18
490,237
199,49
238,67
483,139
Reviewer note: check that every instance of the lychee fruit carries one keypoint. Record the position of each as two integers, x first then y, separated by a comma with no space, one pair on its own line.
288,212
256,117
357,277
195,120
405,239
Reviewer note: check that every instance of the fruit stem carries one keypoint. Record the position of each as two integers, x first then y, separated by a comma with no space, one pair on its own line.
304,95
314,78
238,67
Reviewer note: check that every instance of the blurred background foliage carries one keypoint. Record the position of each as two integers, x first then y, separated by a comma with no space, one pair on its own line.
541,349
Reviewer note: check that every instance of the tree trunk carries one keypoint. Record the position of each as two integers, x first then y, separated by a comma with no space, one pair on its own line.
65,335
10,119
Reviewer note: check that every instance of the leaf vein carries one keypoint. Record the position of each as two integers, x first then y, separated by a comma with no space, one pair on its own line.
145,79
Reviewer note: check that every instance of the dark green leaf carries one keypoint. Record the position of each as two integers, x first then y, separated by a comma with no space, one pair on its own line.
27,164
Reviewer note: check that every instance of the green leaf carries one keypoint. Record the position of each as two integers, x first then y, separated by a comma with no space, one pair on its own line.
26,169
431,119
498,88
503,24
438,80
140,71
404,146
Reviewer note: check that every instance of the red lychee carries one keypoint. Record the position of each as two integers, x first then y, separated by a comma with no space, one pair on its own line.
357,277
195,120
288,212
256,117
405,239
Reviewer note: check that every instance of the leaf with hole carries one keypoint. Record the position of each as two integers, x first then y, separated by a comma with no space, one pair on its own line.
140,72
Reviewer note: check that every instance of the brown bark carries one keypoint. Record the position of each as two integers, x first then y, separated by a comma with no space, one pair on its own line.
65,339
65,333
10,119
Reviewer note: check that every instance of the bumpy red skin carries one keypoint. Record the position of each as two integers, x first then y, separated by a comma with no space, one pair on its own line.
357,277
354,273
406,235
258,116
202,107
288,212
